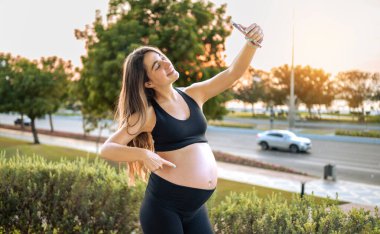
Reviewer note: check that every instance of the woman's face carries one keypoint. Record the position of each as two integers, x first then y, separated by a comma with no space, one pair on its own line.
159,70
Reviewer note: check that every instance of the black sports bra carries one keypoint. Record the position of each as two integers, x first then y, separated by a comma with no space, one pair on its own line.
170,133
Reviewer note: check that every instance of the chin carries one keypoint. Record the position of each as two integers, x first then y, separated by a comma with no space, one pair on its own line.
176,75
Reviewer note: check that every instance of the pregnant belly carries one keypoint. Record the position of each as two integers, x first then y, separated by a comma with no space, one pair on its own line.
195,166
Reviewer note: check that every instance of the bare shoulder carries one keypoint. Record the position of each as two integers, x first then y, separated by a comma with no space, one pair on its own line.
136,122
195,93
134,127
150,120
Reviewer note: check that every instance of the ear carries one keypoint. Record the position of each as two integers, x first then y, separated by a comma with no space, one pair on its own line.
148,84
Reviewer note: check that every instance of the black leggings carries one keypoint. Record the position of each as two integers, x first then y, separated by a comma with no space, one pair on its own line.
169,208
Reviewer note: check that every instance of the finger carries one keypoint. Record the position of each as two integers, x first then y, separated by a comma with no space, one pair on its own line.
250,28
254,31
256,37
260,37
157,167
169,163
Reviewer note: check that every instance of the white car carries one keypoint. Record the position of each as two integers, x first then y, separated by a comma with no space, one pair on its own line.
283,139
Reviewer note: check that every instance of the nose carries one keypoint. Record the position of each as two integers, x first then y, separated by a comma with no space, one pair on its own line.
166,64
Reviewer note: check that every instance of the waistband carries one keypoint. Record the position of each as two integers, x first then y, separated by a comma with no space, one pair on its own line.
176,196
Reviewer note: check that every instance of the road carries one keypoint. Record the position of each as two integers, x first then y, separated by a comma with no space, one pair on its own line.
311,124
357,162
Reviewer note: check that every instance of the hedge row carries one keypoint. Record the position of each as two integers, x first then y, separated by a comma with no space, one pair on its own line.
69,196
85,196
247,213
371,133
229,158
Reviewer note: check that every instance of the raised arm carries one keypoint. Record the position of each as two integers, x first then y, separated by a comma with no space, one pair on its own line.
202,91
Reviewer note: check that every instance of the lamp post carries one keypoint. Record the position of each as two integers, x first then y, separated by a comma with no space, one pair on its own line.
291,116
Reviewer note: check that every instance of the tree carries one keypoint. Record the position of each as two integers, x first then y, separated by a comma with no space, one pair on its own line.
12,90
356,87
31,87
6,74
61,72
376,85
316,88
251,90
312,86
191,33
27,89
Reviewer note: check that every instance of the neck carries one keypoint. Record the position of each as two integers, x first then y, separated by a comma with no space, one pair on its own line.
167,94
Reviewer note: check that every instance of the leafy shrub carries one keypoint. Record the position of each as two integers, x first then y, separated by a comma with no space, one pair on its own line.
247,213
372,119
83,196
231,124
67,196
371,133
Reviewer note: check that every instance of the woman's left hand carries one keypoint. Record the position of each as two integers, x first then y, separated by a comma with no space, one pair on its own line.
254,33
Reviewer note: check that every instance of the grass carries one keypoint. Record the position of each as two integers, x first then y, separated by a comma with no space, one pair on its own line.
55,153
326,117
248,115
230,124
225,187
51,153
370,133
317,131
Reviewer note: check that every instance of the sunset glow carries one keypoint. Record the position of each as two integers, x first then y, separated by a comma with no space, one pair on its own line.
333,35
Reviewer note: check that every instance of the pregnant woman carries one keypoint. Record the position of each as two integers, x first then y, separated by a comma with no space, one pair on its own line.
162,134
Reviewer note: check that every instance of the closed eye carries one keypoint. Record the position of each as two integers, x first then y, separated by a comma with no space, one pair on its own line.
158,66
158,62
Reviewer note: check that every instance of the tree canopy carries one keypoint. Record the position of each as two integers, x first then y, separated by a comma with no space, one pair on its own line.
312,86
357,86
32,88
191,34
250,88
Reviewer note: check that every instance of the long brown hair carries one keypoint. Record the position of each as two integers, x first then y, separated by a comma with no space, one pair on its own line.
135,98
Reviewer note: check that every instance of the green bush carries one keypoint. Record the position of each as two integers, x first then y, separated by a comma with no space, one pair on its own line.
372,119
371,133
247,213
231,124
66,197
84,196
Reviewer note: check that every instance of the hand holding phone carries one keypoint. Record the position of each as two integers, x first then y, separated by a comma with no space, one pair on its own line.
241,29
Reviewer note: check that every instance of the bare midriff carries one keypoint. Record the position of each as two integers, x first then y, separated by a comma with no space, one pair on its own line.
195,166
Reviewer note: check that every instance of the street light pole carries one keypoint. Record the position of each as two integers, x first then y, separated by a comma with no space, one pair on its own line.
291,101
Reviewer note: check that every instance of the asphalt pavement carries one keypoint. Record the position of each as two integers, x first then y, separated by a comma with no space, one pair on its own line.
354,161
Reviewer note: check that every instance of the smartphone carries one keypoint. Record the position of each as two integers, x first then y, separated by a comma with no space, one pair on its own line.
238,27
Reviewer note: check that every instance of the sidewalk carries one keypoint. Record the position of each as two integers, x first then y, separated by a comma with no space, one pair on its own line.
360,195
357,193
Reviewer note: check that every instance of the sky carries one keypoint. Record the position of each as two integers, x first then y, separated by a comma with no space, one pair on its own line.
335,35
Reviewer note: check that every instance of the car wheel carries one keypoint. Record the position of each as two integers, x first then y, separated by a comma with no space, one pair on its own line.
264,145
294,148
